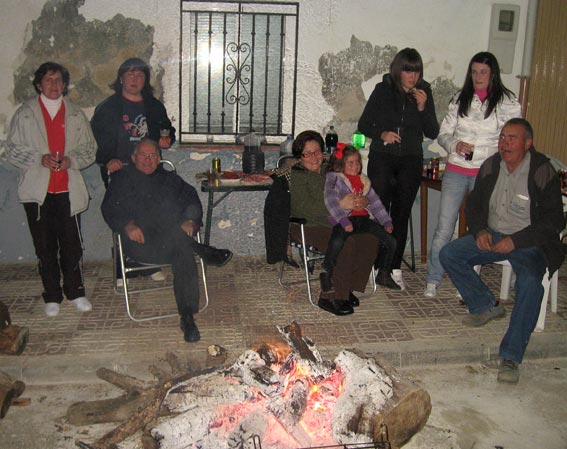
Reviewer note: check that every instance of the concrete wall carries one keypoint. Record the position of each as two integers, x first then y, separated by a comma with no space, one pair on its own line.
334,35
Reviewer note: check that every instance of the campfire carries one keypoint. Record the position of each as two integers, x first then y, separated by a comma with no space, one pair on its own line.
279,396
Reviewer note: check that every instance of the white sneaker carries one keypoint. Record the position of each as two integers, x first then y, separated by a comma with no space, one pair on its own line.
158,276
82,304
398,279
52,308
430,291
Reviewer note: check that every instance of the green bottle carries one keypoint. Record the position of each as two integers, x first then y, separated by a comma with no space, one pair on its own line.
358,140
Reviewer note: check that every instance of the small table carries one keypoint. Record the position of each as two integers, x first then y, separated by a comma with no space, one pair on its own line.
226,189
435,184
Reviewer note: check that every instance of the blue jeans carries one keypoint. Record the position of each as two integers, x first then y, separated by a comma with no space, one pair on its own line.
459,258
454,189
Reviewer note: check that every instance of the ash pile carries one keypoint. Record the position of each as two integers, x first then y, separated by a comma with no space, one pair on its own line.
282,395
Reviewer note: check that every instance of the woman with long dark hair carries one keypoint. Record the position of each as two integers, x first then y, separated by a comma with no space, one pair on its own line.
398,114
469,133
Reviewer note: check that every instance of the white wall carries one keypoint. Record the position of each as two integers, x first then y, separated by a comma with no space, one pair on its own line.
446,33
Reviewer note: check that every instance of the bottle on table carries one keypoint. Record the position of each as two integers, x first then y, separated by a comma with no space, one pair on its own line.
331,140
435,168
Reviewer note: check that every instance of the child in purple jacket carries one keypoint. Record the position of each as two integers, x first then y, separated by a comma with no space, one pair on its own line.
345,177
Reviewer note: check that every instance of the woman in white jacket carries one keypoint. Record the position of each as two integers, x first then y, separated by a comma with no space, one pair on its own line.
50,141
469,133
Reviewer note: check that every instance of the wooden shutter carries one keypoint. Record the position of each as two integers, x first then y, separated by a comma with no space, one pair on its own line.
547,94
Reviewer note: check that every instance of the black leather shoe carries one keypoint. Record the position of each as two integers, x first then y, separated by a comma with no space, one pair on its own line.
213,256
353,300
384,279
335,306
191,333
326,282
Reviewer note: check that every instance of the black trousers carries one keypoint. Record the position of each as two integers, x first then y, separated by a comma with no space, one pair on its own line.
396,180
172,247
361,225
57,240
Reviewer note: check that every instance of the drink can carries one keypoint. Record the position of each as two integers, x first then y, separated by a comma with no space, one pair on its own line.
216,164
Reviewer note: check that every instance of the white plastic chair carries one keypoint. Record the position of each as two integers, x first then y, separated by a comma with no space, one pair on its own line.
549,286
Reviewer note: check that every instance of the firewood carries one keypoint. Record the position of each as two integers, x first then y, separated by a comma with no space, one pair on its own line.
5,320
147,413
353,401
10,389
21,402
122,381
117,409
13,339
298,400
293,334
406,415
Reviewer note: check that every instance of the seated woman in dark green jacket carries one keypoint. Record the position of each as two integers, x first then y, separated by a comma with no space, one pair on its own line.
299,192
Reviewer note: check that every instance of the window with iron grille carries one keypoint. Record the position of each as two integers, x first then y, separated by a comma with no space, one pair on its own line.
238,69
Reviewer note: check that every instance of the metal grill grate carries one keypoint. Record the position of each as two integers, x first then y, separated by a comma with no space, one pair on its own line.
384,443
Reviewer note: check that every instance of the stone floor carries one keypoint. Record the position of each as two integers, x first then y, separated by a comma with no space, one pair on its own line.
247,304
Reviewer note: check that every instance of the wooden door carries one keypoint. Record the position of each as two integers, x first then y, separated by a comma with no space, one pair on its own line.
547,94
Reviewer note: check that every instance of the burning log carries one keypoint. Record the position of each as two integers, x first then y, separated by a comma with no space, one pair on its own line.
305,348
283,400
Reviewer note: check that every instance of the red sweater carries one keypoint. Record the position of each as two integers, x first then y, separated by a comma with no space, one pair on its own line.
55,127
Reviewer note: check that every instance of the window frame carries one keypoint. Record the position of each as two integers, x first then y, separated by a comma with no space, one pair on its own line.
242,116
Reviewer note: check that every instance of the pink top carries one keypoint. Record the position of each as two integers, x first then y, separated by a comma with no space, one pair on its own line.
461,170
482,94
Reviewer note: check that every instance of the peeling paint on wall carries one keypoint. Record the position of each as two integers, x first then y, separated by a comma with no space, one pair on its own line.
344,72
92,51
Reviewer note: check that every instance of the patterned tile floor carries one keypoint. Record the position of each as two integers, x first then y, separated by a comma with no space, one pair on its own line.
247,304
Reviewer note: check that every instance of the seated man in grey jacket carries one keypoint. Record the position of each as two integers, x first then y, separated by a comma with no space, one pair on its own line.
514,212
157,213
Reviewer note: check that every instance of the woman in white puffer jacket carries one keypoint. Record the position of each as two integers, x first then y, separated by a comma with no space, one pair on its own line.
469,133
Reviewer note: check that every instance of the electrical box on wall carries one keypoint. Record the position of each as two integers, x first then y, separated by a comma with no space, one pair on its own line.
503,34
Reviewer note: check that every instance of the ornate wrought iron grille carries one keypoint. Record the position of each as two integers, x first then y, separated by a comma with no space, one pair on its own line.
238,69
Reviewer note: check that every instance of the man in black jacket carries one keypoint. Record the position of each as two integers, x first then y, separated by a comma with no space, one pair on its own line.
157,214
514,212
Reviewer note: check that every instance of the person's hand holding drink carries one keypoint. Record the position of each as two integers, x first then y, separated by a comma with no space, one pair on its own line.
164,139
465,150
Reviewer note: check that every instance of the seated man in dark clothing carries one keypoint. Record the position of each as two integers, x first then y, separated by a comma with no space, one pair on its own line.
157,214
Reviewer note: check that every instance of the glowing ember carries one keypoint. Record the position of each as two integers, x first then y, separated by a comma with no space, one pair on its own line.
285,400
